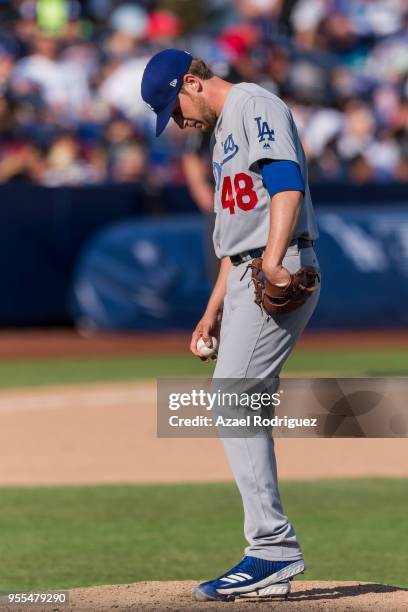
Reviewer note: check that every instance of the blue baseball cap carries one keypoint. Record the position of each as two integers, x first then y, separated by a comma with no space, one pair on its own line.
161,82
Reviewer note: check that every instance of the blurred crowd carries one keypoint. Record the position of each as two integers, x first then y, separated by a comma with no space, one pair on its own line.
70,72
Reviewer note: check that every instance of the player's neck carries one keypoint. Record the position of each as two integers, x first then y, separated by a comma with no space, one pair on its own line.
216,91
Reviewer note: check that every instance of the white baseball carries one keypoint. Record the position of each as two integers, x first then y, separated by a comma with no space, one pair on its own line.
206,351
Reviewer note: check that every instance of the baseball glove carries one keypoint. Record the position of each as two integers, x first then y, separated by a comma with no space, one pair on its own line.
275,300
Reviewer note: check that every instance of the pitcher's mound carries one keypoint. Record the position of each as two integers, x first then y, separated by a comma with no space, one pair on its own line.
305,595
173,596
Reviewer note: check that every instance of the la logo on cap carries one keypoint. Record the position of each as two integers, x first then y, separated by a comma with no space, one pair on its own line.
173,83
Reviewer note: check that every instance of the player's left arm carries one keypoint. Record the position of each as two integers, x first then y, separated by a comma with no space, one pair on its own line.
272,151
285,184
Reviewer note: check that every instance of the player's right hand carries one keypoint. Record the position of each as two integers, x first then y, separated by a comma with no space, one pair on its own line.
208,325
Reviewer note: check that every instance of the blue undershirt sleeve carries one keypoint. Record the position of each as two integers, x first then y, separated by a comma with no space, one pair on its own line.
281,175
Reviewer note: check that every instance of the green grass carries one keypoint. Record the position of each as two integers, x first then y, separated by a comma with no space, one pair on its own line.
368,362
61,537
24,373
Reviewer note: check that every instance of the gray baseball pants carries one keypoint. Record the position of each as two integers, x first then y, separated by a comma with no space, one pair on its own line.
253,347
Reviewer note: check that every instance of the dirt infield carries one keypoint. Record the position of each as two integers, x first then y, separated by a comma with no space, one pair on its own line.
316,596
106,433
67,343
305,596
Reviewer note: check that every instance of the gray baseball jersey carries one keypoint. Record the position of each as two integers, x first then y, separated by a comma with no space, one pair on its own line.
254,125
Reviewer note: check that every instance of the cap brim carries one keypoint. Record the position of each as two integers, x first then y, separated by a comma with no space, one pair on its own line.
163,117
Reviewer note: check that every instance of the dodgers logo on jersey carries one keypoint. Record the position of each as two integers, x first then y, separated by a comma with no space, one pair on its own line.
265,133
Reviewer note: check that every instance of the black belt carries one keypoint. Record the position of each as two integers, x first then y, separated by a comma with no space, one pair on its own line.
302,243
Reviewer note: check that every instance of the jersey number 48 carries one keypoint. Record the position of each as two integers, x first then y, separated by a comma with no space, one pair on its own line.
245,194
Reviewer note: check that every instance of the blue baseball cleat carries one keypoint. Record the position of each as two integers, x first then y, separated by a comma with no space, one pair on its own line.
252,577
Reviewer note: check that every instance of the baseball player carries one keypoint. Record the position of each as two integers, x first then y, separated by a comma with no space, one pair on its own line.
264,219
